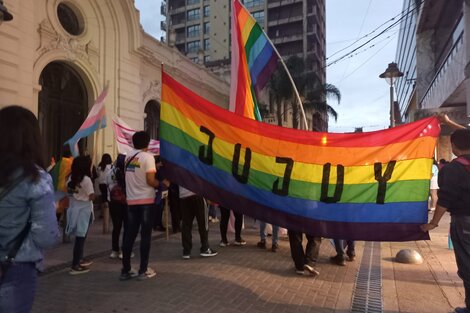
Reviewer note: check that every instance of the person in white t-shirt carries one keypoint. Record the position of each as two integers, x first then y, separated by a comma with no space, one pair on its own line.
140,193
80,212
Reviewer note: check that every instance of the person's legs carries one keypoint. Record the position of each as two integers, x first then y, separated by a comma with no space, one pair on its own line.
312,250
78,251
157,221
296,249
275,237
433,203
174,203
116,211
134,216
18,287
148,212
351,249
338,259
202,222
224,218
187,213
238,226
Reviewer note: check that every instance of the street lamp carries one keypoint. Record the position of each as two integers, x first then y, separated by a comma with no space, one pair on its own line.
4,14
391,74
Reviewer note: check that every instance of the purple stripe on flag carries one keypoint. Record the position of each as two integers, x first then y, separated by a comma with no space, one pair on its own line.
265,74
329,229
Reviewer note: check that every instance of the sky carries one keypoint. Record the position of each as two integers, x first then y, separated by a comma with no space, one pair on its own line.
365,98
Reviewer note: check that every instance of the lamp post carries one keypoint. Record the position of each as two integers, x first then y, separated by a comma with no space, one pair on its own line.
4,14
390,75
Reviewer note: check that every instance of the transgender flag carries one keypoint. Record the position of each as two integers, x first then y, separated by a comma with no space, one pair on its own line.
95,120
254,59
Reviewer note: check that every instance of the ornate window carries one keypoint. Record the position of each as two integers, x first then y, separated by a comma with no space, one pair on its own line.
70,19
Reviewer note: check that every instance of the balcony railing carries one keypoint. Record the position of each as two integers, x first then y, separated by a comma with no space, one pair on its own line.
163,9
163,25
448,77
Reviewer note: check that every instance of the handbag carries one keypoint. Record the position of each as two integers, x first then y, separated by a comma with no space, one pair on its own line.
18,241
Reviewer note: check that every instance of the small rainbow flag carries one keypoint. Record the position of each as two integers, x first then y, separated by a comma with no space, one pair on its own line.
253,62
95,120
358,186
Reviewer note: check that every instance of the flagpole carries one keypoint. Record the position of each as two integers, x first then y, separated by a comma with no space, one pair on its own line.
297,95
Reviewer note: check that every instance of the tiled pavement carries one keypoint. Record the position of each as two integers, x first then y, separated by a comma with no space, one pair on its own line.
244,279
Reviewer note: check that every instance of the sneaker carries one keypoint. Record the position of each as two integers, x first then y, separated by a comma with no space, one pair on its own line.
149,273
223,244
186,256
115,255
299,272
77,270
338,260
261,244
310,270
214,220
208,253
274,247
85,263
129,275
240,242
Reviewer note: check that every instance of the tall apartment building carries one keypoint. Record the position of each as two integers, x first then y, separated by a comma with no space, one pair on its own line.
201,29
433,53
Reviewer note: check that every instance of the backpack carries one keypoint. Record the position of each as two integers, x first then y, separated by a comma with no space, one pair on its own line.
465,162
118,192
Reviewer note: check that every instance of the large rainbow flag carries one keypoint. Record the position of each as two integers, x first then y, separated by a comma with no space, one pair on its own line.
359,186
253,62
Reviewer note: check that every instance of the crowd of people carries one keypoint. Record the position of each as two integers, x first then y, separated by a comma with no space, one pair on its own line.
32,201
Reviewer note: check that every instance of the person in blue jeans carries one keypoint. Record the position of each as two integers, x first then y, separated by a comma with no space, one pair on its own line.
262,234
339,258
141,183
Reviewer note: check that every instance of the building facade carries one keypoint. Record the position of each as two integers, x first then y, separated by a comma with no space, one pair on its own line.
200,29
434,55
57,55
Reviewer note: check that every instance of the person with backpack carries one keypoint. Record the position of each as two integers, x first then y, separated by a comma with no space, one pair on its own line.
454,197
117,203
27,212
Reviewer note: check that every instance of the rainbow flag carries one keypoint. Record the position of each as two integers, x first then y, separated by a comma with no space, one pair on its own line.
358,186
95,120
253,62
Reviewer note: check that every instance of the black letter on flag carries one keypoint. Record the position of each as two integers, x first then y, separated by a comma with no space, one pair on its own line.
383,179
326,182
208,159
243,178
286,180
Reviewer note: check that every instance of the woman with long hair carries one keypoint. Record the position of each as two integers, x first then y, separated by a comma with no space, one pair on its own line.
80,212
27,211
104,167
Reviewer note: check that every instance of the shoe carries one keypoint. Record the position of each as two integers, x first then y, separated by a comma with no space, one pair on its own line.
223,244
351,257
432,209
299,272
115,255
129,275
85,263
311,270
462,310
239,243
77,270
214,220
149,273
208,253
186,256
261,244
274,247
338,260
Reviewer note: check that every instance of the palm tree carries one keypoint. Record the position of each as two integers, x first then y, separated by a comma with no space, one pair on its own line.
309,87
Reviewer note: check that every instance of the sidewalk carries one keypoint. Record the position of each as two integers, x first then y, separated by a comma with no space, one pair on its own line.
247,279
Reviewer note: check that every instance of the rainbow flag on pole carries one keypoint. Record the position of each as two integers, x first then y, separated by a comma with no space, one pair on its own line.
95,120
253,61
358,186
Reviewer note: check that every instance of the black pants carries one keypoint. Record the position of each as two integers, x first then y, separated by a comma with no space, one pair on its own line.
138,216
104,192
193,207
174,199
118,214
224,218
460,235
79,247
312,249
350,247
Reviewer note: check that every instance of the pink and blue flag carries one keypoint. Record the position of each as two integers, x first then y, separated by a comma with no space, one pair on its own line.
95,120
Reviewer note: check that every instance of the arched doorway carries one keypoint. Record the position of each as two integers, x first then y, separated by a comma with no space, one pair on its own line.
152,119
63,105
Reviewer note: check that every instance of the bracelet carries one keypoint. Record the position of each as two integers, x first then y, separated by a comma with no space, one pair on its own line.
435,225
